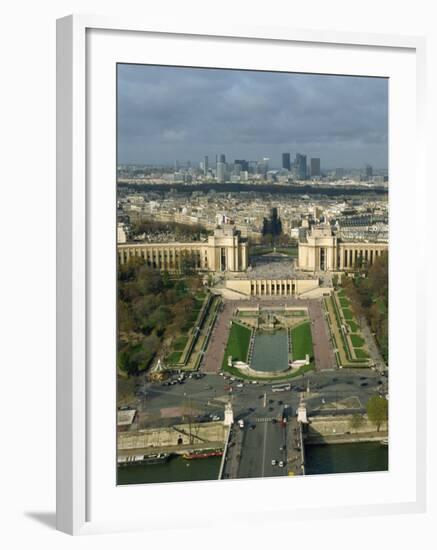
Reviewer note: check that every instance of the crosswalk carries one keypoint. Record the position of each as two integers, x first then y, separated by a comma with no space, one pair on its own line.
265,419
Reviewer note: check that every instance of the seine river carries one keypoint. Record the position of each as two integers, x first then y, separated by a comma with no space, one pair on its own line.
346,457
320,459
176,469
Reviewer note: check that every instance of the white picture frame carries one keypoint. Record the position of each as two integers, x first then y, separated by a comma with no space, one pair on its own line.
75,311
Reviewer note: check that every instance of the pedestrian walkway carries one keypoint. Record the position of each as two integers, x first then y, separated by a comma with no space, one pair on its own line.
219,337
323,353
266,419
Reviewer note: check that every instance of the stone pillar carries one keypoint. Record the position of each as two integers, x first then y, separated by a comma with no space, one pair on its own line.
230,255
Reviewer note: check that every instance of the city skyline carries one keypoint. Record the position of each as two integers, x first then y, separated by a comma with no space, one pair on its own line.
175,113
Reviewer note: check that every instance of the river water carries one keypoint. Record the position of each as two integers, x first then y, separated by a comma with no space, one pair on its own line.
346,457
320,459
176,469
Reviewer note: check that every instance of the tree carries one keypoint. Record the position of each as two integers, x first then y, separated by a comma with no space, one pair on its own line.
188,264
356,421
377,410
272,227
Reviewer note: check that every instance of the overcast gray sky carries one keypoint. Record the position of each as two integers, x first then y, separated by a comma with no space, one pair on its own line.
171,113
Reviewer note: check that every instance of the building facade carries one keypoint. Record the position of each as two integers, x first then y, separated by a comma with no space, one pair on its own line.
320,250
286,161
300,166
315,167
291,287
225,250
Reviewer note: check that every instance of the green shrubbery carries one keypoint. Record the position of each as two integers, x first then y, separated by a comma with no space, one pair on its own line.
369,298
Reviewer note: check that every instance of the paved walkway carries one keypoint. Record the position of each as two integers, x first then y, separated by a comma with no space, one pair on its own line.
219,336
371,345
232,460
323,353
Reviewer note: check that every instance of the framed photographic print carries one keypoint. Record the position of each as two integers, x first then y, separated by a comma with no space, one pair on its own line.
237,317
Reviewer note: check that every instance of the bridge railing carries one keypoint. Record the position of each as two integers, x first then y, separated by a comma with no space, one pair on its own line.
225,452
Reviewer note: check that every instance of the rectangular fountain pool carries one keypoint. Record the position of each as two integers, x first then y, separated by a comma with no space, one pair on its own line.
270,351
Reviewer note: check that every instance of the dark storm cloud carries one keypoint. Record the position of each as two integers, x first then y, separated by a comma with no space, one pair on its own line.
168,113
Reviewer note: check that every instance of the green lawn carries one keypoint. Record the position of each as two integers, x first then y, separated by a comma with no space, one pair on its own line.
302,341
180,343
344,302
361,354
238,344
347,313
356,340
353,326
174,357
292,251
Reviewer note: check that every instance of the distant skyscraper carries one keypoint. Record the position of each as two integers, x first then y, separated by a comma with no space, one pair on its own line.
243,163
315,167
300,166
221,172
262,166
222,158
205,165
369,172
286,161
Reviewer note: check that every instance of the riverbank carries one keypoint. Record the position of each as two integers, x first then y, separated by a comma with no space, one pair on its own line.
338,439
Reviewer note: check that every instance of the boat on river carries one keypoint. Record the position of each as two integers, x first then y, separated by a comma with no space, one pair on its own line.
159,458
202,454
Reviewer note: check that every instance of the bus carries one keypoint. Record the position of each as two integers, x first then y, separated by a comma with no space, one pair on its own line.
281,387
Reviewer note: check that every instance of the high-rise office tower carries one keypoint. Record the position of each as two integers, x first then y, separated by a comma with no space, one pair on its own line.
300,166
286,161
222,158
315,167
221,172
369,172
237,168
205,165
243,163
262,166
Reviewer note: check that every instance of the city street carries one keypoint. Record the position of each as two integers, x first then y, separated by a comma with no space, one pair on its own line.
158,405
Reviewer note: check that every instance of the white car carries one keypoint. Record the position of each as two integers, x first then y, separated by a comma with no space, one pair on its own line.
281,464
273,462
240,385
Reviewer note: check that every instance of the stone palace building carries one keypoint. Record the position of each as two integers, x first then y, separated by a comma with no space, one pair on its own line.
225,250
321,250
